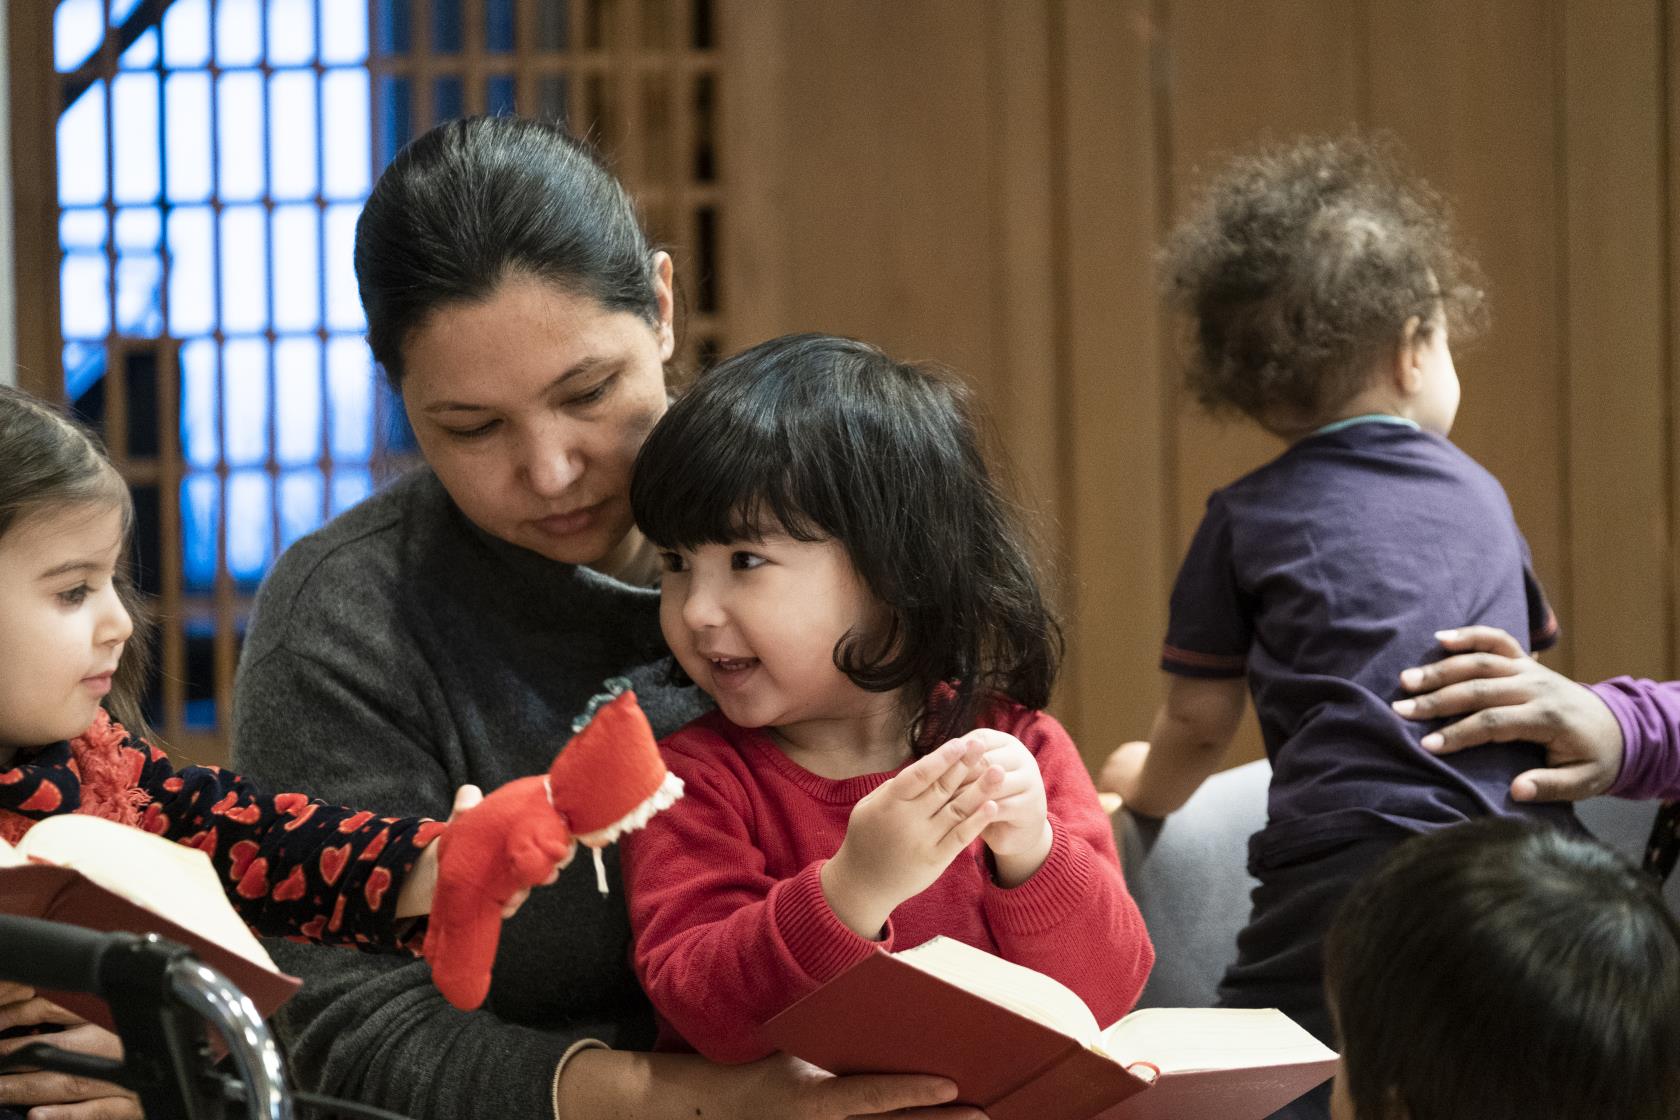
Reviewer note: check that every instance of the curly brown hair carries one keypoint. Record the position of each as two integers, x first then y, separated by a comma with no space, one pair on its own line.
1300,268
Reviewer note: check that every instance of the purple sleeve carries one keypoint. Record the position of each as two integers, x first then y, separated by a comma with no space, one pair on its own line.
1208,626
1649,715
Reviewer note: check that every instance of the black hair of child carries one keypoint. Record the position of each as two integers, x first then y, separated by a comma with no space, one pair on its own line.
1501,970
1297,272
830,439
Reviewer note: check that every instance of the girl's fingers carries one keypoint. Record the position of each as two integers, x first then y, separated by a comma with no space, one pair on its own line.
465,798
970,797
940,772
965,831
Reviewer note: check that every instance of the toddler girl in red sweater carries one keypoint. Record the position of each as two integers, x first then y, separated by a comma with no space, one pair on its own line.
845,579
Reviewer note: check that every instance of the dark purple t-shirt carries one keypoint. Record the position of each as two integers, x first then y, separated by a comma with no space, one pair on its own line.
1320,577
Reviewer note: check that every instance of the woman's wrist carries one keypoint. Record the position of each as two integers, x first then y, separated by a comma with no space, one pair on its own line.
572,1052
597,1083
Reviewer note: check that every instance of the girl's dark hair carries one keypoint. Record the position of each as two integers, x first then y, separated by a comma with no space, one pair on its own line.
48,462
472,201
1500,970
1299,269
832,439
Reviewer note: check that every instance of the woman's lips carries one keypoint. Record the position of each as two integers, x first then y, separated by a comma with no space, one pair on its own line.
566,524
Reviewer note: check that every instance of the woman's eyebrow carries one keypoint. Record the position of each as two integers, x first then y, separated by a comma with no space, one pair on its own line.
578,369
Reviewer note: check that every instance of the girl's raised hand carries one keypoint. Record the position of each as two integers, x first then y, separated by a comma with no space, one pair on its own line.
1019,837
905,833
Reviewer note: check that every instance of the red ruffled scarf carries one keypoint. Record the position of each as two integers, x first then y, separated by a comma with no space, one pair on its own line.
106,775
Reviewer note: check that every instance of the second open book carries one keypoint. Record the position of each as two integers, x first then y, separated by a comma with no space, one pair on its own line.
1023,1047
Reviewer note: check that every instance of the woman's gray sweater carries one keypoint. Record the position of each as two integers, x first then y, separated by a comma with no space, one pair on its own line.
392,656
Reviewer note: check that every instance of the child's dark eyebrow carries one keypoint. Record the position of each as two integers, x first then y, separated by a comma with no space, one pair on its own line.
70,566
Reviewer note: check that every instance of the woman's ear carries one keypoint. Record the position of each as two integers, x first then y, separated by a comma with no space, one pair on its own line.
664,294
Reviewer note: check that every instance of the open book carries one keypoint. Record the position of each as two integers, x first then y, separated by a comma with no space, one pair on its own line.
1023,1047
86,871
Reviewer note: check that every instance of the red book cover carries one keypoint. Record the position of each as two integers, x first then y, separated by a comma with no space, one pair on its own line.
885,1015
60,894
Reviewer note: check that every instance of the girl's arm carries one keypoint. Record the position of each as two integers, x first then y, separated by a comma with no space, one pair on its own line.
294,866
1073,920
722,946
1187,745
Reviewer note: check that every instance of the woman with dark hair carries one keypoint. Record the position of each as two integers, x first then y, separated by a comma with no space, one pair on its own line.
1499,970
447,631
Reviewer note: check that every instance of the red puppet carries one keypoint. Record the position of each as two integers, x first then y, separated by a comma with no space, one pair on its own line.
606,781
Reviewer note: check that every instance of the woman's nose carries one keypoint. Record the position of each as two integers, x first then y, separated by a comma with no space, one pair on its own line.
551,466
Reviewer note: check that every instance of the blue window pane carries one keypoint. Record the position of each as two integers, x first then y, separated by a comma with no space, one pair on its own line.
343,32
238,32
139,229
186,34
395,117
291,32
392,20
498,94
245,401
200,513
192,272
344,305
82,296
302,496
291,140
82,229
140,295
121,9
348,488
199,441
244,270
345,122
498,26
250,525
143,55
297,393
81,150
78,29
134,131
84,364
186,106
239,135
349,400
447,101
446,26
297,268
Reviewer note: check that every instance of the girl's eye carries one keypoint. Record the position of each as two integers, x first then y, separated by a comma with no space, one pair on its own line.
745,561
483,429
671,561
76,596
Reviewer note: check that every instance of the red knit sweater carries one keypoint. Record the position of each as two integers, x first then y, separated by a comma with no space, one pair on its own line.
730,920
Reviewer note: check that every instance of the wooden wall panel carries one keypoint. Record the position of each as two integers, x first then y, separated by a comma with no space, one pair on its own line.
1616,399
1469,97
986,184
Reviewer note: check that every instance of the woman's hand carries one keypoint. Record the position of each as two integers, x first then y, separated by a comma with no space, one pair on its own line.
419,888
784,1086
1120,772
1019,837
1513,697
905,833
59,1096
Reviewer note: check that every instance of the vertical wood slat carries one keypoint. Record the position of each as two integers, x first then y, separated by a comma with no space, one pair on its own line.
1616,398
34,108
1469,104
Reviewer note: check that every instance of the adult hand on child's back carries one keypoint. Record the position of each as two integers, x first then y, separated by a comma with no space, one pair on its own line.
1020,837
905,833
59,1096
1510,697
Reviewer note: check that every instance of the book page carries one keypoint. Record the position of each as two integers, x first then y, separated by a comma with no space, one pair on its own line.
1015,987
1189,1039
159,875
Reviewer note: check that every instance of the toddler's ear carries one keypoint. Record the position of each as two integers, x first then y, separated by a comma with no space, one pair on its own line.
1408,358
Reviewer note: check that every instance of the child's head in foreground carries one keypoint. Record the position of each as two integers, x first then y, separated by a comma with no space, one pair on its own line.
1320,283
66,608
1500,970
832,536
